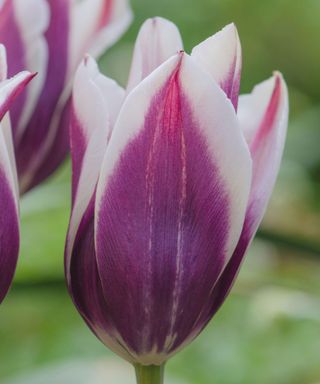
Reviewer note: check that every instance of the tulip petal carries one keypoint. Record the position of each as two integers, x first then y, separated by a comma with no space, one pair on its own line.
264,117
96,104
96,101
95,26
268,104
22,32
10,37
91,30
10,89
157,40
41,132
7,135
33,26
94,95
85,287
170,205
220,55
9,221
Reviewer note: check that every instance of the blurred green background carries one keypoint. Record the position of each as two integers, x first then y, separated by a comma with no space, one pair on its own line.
268,331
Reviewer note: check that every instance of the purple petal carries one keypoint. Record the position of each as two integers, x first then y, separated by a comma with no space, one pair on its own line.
10,37
85,287
170,206
40,133
91,124
9,221
50,37
264,117
96,101
9,230
21,31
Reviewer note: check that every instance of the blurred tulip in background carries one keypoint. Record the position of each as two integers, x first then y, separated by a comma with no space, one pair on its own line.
50,37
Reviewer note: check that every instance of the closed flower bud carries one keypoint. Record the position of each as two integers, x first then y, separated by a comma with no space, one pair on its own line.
171,178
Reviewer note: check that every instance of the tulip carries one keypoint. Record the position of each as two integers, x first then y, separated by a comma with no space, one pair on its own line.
9,197
171,178
50,37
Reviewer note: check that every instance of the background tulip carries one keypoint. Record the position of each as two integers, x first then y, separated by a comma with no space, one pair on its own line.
9,219
50,37
170,182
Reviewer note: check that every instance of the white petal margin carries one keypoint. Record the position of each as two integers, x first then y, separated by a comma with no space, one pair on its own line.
87,36
6,165
5,127
157,41
263,117
96,98
216,118
33,17
220,55
96,103
3,63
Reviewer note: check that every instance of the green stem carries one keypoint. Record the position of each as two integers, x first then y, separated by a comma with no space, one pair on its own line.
151,374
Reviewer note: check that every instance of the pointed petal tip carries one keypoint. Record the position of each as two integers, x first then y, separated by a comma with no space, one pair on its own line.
277,73
23,78
279,80
220,55
158,40
11,88
268,86
155,19
280,85
87,67
87,59
229,30
31,75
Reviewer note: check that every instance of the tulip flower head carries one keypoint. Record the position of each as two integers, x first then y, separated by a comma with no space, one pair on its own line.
50,37
171,178
9,196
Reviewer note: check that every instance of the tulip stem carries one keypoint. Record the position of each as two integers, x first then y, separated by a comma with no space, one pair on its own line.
151,374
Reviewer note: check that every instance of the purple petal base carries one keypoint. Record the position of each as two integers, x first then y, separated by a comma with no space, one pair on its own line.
9,236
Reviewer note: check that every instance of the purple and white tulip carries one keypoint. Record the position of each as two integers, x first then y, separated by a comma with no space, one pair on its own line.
50,37
171,178
9,195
